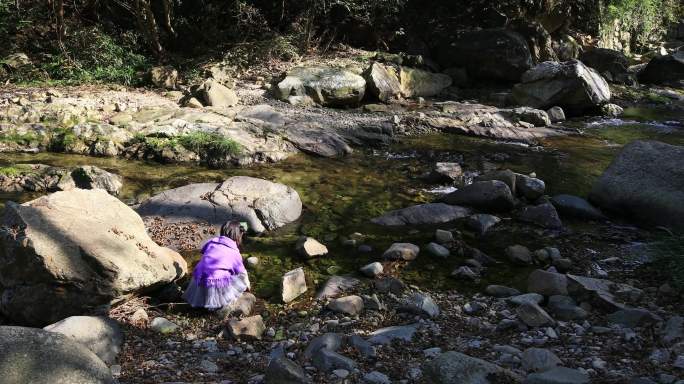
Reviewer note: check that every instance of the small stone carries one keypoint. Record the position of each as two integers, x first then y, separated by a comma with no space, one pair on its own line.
556,114
341,373
432,352
562,264
401,251
558,375
163,326
465,273
282,370
310,247
501,291
547,283
387,335
252,261
208,367
437,250
482,222
519,254
293,285
420,304
533,315
542,215
633,317
250,327
444,237
326,361
372,269
350,305
529,187
565,308
612,110
376,377
539,360
533,298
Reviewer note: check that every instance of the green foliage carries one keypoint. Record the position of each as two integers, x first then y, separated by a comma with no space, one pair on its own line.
62,140
18,138
93,56
210,146
646,20
11,171
246,55
156,144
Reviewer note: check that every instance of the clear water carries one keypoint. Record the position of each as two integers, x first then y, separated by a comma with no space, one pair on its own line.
341,195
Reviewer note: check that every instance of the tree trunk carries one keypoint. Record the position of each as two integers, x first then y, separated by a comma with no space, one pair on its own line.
148,26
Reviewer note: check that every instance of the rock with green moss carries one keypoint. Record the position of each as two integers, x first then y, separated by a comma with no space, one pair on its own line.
327,86
383,82
44,178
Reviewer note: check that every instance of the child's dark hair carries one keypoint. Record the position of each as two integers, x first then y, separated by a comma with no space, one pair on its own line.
233,230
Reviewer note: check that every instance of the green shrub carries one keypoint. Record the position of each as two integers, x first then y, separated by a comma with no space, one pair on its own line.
645,20
62,140
90,55
211,147
18,138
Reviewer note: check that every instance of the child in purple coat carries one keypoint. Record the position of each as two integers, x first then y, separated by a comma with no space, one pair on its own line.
220,277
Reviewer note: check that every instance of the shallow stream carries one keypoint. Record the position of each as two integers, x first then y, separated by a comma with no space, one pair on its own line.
341,195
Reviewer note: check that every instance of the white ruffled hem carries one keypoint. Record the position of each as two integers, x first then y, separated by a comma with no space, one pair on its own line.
215,297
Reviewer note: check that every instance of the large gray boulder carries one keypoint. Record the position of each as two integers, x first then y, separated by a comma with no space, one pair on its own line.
432,213
664,69
457,368
35,356
609,61
327,86
571,85
383,82
75,252
490,54
101,335
491,195
263,204
644,182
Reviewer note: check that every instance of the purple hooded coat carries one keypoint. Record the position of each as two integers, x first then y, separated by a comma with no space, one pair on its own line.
220,276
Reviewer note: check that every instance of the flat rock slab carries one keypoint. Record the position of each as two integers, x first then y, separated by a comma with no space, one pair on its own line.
386,335
433,213
457,368
264,205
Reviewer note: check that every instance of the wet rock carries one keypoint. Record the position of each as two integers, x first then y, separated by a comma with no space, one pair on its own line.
564,308
336,285
401,251
372,269
218,95
387,335
534,316
570,85
66,234
326,360
644,182
382,82
612,110
36,356
164,77
457,368
519,254
437,250
547,283
420,304
542,215
577,207
163,326
446,173
310,247
490,54
329,341
558,375
532,298
431,213
633,317
486,195
536,117
556,114
501,291
350,305
327,86
101,335
420,83
444,237
529,187
293,285
482,222
539,360
285,371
